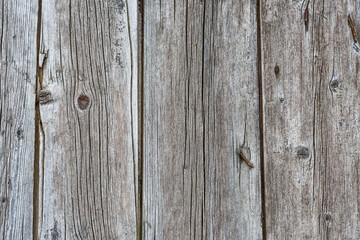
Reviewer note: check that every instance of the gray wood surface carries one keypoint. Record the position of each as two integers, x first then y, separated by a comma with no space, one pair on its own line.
311,113
125,119
89,119
200,110
18,20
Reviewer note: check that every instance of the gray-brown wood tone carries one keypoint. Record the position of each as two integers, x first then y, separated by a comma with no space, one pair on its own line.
311,113
17,111
88,60
200,110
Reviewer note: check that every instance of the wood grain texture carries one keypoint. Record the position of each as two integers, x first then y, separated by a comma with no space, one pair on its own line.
88,55
311,113
80,98
18,21
200,110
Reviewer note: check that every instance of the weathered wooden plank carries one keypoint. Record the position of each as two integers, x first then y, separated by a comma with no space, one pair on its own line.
200,110
89,119
311,112
17,110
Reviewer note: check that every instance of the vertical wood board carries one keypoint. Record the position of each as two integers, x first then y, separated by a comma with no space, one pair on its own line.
200,110
311,113
89,177
18,20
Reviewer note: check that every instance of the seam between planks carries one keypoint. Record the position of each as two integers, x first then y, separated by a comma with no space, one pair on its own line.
36,189
203,118
140,29
261,119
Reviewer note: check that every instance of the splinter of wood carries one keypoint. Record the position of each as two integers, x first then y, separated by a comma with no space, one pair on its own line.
306,17
357,49
352,28
245,159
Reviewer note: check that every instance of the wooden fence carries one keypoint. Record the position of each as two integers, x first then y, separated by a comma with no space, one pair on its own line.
124,119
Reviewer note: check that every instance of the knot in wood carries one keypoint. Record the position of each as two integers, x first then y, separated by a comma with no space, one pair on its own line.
303,153
45,96
334,84
328,220
83,101
327,217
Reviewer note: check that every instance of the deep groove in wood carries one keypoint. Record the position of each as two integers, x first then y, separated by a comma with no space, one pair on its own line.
261,120
36,189
140,115
203,118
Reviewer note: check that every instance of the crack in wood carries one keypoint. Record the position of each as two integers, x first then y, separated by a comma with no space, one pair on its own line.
261,119
140,220
38,129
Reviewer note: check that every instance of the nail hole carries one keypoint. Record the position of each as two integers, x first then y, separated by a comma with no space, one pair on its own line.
334,84
303,153
282,99
45,96
277,70
3,199
19,133
83,101
328,220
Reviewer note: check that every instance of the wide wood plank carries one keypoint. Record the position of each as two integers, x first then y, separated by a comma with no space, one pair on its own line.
18,21
200,110
88,103
311,111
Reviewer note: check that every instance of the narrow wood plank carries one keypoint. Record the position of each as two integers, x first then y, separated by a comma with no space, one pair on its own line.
311,112
200,111
17,111
89,118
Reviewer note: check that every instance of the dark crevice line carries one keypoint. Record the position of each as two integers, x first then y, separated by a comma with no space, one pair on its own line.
38,86
1,50
2,32
203,119
261,119
140,115
186,88
41,73
314,100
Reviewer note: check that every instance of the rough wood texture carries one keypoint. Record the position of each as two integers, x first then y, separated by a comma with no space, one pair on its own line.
107,136
311,112
88,54
17,103
200,110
